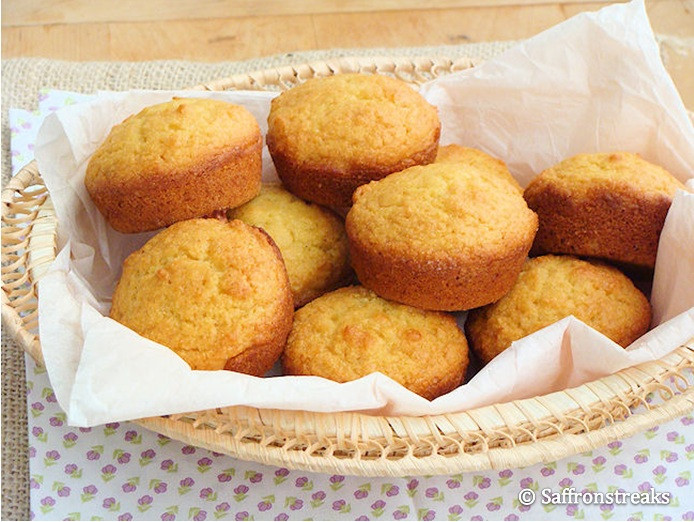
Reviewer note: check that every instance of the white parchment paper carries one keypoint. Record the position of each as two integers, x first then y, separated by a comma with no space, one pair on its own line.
593,83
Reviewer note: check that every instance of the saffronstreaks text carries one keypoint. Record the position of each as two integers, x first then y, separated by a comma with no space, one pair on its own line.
573,496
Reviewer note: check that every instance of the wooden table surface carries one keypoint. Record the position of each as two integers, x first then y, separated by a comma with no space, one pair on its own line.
226,30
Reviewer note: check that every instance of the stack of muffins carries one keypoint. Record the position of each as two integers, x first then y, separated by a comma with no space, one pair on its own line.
428,230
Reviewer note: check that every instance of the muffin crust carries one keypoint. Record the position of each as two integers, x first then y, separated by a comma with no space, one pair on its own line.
215,293
478,159
351,332
607,205
439,237
174,161
312,240
550,288
330,135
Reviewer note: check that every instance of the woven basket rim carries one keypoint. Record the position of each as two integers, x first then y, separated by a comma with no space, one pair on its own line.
511,434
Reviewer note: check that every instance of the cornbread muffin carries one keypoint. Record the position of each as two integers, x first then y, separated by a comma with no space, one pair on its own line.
550,288
476,158
216,293
312,240
330,135
609,205
351,332
177,160
441,237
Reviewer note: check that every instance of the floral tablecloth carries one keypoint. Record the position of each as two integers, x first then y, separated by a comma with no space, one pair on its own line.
121,471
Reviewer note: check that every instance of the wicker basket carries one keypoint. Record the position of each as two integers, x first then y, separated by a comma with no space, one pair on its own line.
512,434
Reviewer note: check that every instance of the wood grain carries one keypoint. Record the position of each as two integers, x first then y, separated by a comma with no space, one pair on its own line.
434,27
226,30
33,12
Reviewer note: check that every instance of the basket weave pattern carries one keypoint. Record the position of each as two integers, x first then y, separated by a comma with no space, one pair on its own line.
512,434
500,436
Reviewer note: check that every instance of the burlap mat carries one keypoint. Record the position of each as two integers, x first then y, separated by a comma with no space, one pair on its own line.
21,81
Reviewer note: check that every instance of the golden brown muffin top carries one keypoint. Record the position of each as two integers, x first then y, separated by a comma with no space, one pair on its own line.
169,137
550,288
351,332
616,171
206,289
311,238
478,159
441,209
350,121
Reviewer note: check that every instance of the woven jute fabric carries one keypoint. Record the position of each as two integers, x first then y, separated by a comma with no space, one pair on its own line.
22,79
